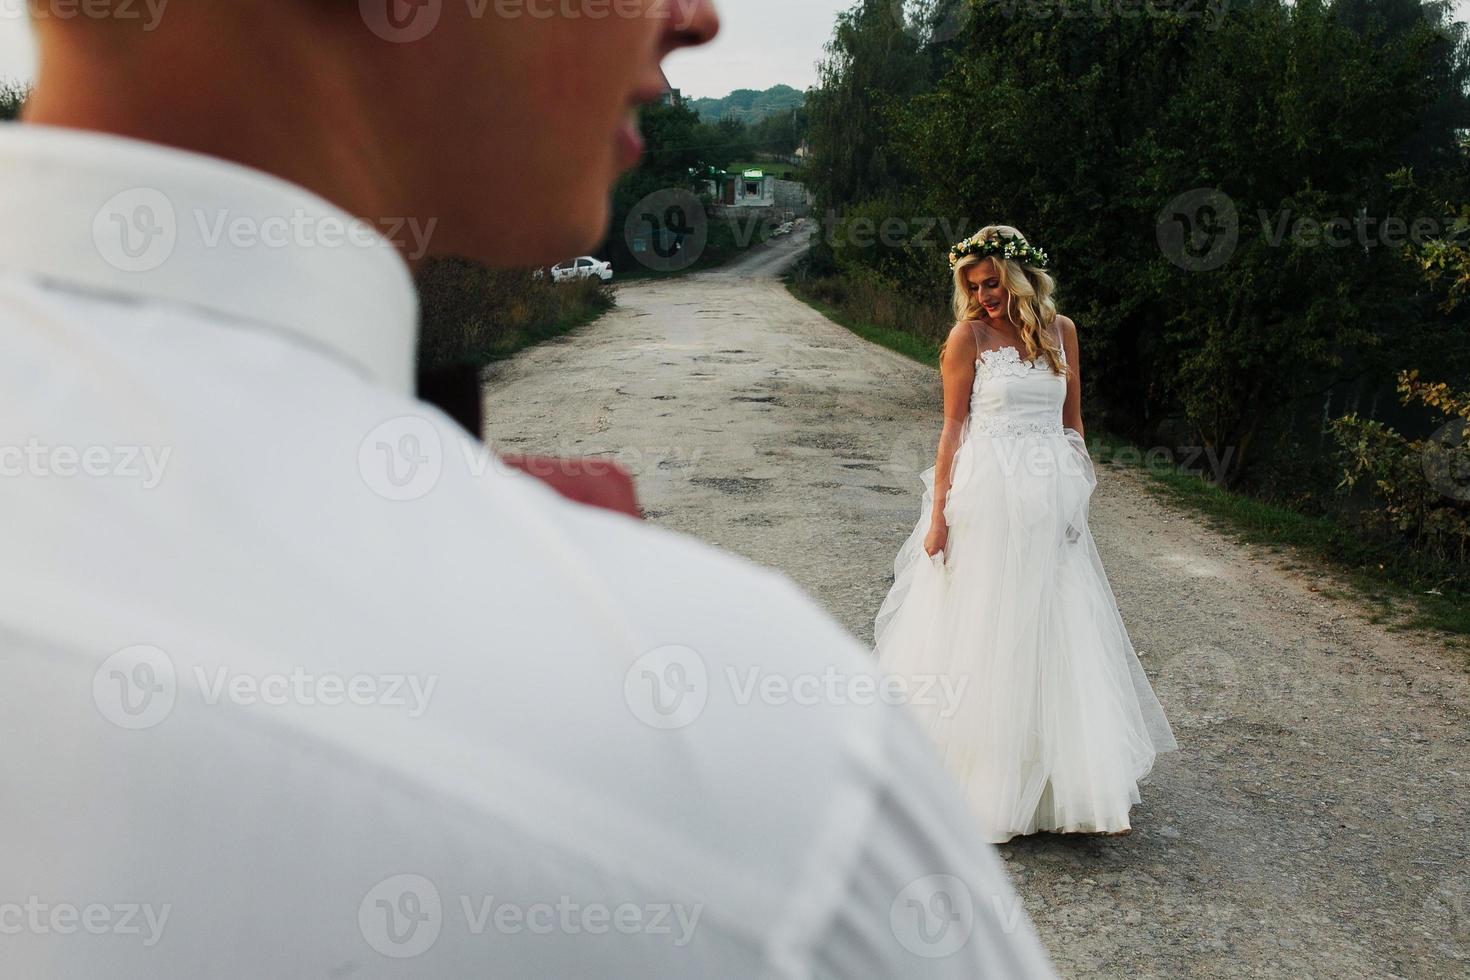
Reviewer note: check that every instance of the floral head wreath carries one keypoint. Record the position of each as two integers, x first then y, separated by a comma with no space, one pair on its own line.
1006,246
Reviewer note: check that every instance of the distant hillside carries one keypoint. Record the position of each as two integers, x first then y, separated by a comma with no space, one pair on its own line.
748,105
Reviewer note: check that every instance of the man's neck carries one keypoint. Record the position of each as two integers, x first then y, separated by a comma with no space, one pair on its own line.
289,112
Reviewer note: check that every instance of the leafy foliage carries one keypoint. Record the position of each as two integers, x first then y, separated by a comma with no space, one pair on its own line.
1085,131
472,315
1422,485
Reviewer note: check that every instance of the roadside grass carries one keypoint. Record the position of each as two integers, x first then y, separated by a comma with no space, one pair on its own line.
908,344
1404,589
1401,588
473,315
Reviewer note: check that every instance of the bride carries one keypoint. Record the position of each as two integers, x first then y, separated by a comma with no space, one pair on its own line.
999,597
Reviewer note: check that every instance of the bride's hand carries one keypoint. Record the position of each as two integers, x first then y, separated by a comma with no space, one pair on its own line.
936,539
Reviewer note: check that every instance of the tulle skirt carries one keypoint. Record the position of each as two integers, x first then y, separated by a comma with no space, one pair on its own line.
1010,647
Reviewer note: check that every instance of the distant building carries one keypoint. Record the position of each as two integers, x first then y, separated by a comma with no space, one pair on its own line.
753,188
747,189
671,95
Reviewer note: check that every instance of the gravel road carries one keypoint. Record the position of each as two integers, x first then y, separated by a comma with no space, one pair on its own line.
1316,820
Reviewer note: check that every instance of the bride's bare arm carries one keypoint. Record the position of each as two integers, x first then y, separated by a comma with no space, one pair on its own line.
957,368
1072,407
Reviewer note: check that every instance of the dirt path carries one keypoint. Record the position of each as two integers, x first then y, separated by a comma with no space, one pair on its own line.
1316,820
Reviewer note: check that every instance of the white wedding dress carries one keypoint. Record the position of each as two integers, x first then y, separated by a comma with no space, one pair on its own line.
1008,644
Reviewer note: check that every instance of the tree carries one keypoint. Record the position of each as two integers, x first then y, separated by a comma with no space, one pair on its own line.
1093,134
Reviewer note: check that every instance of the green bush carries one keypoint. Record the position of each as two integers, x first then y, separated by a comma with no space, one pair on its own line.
472,315
1088,132
1421,486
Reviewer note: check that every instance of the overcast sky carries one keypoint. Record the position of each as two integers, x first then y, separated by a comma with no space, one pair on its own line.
761,43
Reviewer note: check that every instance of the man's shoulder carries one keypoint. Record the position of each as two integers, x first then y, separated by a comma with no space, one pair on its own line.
581,679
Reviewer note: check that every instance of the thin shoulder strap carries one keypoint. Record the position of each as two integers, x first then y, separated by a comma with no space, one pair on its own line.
976,334
1061,341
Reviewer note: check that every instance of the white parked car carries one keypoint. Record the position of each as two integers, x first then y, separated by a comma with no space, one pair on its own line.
584,267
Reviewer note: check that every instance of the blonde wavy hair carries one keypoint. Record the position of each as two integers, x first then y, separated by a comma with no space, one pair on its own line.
1029,306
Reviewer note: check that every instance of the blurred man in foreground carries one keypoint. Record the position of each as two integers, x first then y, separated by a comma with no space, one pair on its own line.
299,682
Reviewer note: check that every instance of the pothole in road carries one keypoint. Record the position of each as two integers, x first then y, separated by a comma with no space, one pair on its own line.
839,443
763,399
755,520
891,491
735,485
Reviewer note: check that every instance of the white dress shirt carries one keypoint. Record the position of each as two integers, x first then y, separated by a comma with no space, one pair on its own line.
299,682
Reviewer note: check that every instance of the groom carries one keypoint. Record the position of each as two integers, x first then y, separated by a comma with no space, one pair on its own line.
325,690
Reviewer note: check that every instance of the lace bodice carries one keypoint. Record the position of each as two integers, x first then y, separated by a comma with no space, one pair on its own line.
1015,397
